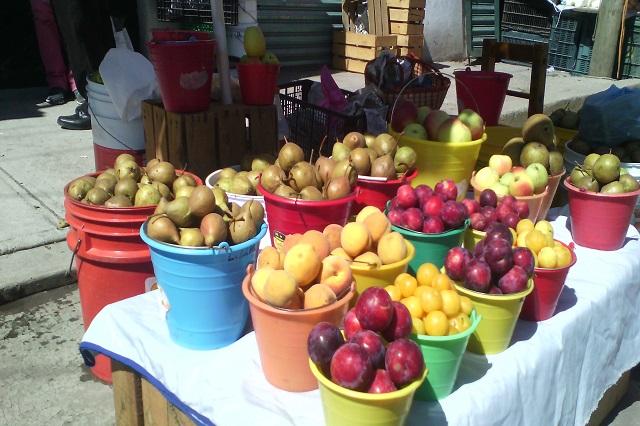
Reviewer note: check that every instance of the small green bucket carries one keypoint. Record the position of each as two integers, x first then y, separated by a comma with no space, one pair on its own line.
442,356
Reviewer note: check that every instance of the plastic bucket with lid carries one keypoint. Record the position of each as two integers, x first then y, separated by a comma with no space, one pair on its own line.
443,160
443,355
282,334
600,221
258,82
366,276
291,216
240,199
482,91
541,304
203,287
534,201
184,62
346,407
376,192
499,314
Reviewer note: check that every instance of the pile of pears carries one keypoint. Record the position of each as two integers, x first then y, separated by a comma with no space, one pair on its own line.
602,173
204,218
126,184
244,182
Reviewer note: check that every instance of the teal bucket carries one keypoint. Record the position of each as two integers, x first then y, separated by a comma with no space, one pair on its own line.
203,287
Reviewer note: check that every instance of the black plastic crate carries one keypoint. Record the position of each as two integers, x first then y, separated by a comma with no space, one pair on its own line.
194,12
631,51
309,124
519,37
527,17
564,40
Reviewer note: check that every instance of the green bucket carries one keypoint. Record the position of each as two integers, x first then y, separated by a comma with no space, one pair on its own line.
442,356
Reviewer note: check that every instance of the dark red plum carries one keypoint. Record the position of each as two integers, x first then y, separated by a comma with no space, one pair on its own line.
495,290
423,192
514,281
395,217
498,230
404,362
455,262
447,189
488,198
324,339
499,257
432,206
406,196
502,211
522,209
478,221
523,257
453,214
382,383
477,276
351,323
472,206
489,213
511,220
433,225
372,343
412,219
351,367
400,323
509,200
374,309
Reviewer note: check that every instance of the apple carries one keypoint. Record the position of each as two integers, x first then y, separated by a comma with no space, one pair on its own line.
506,179
500,189
539,176
488,197
406,197
523,257
433,225
514,281
412,219
478,221
522,209
485,177
374,309
477,275
395,217
454,130
415,130
447,190
382,383
423,111
517,169
498,255
404,113
324,339
472,206
453,214
351,367
351,323
433,121
455,262
432,206
500,163
372,343
522,185
401,323
336,274
473,121
404,362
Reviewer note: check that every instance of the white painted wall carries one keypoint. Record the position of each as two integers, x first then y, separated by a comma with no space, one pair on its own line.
444,30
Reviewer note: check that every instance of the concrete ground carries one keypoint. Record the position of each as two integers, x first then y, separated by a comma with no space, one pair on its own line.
41,368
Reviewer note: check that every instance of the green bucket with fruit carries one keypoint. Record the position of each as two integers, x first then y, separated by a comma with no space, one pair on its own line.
443,355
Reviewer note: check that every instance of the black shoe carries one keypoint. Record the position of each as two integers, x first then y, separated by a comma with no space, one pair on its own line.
56,96
78,121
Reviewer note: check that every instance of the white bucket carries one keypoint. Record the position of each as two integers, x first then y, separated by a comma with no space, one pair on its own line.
107,128
239,199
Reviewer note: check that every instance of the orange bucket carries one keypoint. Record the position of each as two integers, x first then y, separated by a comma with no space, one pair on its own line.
534,201
552,187
282,337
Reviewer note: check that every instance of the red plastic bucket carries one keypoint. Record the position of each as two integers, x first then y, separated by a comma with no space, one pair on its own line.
482,91
184,68
541,304
600,221
105,157
375,192
112,261
258,83
291,216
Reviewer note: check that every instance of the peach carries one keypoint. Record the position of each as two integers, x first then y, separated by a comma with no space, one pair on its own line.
336,274
332,234
279,288
302,263
392,248
269,257
365,212
258,281
290,241
341,253
378,224
318,295
318,241
369,259
355,238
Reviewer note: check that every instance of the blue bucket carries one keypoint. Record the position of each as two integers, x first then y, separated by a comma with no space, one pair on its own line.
203,287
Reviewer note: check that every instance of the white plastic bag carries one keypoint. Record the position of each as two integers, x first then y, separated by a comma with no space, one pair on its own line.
130,79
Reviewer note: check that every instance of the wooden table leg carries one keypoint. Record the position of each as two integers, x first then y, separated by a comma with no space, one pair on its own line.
127,395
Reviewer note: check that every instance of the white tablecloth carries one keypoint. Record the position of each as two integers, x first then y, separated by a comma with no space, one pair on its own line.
554,372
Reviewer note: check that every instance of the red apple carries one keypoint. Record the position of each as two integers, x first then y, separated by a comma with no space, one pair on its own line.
412,219
488,198
523,257
382,383
406,196
454,130
521,185
324,339
472,206
522,209
514,281
447,189
373,345
499,257
404,113
432,206
374,309
433,122
351,323
478,221
453,214
473,121
433,225
455,261
351,367
400,323
477,276
404,362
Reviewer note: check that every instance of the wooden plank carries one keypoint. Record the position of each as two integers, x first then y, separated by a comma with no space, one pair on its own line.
156,410
149,130
231,135
405,28
344,37
407,4
374,16
384,17
127,393
177,417
201,148
605,45
406,50
348,64
176,145
406,15
364,53
410,40
263,129
160,133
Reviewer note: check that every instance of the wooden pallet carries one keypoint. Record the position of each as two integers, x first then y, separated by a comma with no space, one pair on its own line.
352,51
206,141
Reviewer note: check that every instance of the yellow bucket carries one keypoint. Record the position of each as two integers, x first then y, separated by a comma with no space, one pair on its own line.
366,276
472,237
499,313
443,160
344,407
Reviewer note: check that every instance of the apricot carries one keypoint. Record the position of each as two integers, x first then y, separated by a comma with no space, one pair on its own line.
563,256
318,241
365,212
318,295
269,257
332,234
378,225
302,263
392,248
336,274
290,241
279,288
259,280
368,259
341,253
297,301
355,239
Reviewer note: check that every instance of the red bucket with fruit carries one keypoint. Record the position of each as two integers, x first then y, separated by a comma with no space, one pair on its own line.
371,191
549,281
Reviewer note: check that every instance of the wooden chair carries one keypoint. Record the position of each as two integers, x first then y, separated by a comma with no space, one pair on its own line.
536,55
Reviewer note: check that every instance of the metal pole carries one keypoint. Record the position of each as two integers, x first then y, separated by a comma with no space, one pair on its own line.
220,31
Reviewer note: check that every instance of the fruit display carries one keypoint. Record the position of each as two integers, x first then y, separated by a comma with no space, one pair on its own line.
303,275
489,209
436,308
495,266
255,47
245,180
203,217
127,184
376,356
436,125
505,179
602,173
374,156
628,152
548,253
293,177
427,210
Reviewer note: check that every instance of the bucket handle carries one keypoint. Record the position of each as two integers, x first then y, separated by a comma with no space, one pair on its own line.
75,250
95,117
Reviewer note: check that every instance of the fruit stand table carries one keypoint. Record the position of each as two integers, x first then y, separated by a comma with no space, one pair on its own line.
554,372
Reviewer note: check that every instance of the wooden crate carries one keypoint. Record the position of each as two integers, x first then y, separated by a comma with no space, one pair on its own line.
406,28
352,51
410,44
205,141
406,18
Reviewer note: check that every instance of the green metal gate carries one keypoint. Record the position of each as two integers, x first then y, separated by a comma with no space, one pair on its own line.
482,20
